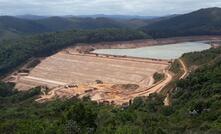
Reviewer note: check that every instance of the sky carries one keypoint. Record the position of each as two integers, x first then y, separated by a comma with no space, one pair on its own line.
108,7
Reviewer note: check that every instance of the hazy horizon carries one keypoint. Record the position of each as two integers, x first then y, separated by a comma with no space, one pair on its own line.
105,7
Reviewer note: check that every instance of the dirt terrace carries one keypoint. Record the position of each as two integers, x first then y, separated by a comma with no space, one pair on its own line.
65,68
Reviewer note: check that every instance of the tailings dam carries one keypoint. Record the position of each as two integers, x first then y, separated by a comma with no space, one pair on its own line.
106,75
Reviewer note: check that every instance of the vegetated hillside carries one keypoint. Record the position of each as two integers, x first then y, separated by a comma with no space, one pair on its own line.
196,109
197,59
95,21
118,17
138,23
15,52
31,17
62,24
56,23
13,27
201,22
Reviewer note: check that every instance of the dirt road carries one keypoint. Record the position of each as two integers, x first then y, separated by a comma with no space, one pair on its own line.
167,101
156,88
118,96
184,69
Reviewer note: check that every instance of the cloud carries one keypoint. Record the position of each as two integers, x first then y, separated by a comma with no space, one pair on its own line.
82,7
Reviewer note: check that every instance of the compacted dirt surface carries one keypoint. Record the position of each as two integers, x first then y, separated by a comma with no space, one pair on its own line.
64,68
105,78
110,93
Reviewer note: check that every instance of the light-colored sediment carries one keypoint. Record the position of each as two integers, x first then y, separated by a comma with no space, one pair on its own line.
64,68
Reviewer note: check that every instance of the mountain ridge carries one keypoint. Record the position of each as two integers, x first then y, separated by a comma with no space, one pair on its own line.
201,22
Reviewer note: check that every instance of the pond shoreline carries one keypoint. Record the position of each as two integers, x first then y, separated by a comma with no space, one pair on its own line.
87,48
168,52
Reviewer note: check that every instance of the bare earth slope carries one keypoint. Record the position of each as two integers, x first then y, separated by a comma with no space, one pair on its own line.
64,68
69,74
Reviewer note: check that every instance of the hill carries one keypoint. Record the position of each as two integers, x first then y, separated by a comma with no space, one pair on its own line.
62,24
202,22
31,17
117,17
11,27
139,23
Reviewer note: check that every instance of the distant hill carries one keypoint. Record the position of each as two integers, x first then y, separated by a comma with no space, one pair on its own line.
11,27
139,23
122,17
31,17
201,22
61,24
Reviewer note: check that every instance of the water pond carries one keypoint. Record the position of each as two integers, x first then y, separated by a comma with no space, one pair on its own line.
170,51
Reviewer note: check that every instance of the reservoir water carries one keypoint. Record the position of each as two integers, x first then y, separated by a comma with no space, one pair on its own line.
170,51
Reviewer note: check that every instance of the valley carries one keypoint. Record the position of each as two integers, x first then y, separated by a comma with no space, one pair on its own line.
110,74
